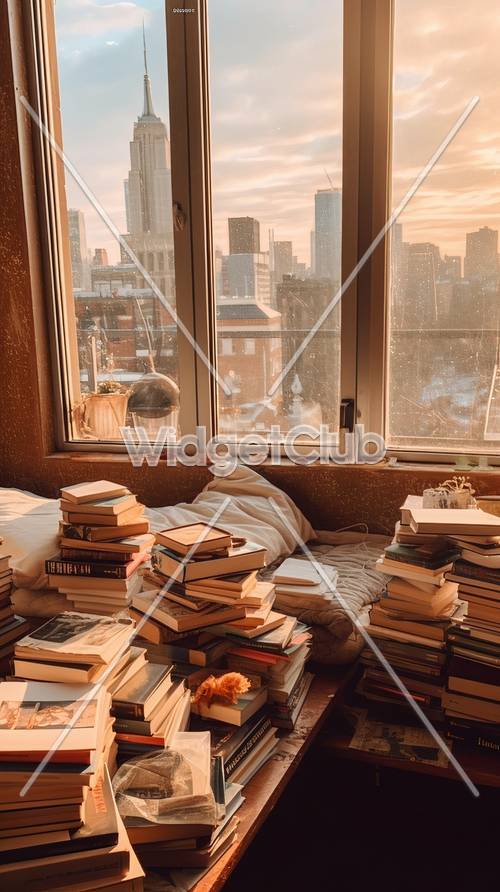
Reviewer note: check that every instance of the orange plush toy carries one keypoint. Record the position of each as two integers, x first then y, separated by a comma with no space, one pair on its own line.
228,688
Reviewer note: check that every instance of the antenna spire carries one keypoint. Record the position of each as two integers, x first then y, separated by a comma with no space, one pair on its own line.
148,110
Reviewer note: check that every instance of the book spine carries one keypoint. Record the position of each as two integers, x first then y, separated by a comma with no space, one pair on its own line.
110,557
54,567
245,748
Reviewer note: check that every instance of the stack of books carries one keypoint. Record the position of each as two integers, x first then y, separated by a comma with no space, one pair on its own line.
279,658
63,831
12,627
472,699
194,824
201,580
299,585
149,707
410,622
104,541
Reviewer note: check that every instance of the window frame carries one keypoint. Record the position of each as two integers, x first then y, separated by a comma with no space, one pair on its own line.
366,183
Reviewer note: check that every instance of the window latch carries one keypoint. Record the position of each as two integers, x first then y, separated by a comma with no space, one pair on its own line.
346,421
179,217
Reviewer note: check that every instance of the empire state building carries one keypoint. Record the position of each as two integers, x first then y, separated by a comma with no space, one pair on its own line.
148,194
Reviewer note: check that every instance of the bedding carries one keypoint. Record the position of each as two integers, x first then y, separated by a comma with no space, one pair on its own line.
242,503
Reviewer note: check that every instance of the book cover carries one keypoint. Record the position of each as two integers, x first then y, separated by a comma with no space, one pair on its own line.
93,491
195,538
245,557
76,635
140,694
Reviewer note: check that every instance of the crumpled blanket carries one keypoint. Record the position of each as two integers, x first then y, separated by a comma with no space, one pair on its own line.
335,638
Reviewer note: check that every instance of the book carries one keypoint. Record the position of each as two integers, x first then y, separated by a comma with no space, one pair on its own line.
179,618
105,507
409,571
97,490
475,707
194,538
126,546
191,650
87,585
412,590
154,724
108,535
274,620
260,594
58,566
410,503
296,571
234,584
118,522
287,718
423,556
138,697
75,637
413,625
244,557
233,742
33,714
453,521
232,713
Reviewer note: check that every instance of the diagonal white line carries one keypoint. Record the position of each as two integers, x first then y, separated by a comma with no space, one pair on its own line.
93,691
94,201
378,653
424,173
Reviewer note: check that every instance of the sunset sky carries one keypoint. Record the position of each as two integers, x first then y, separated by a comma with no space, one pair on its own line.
276,109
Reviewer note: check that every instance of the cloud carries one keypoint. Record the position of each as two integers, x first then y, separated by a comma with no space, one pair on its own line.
91,18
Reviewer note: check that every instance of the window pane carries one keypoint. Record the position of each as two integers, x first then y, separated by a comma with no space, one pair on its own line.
115,123
444,383
276,113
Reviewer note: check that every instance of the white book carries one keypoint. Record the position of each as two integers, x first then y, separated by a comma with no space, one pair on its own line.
298,572
34,714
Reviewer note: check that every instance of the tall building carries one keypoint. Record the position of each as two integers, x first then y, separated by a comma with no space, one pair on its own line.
481,256
451,268
100,257
420,304
148,193
327,234
282,264
80,267
148,197
244,235
248,276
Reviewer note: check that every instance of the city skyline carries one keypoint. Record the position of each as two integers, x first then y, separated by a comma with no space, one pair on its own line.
271,158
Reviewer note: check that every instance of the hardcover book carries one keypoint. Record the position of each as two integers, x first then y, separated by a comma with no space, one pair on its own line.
97,490
245,557
194,538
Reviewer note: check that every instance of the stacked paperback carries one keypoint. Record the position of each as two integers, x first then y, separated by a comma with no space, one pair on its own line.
472,700
12,627
104,541
410,622
59,828
149,707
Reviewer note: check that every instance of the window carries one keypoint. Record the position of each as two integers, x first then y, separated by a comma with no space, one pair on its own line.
116,132
276,113
443,357
247,178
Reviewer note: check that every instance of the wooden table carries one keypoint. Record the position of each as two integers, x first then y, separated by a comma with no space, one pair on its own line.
483,769
265,788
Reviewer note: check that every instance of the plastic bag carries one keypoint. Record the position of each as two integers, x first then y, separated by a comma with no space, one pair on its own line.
171,786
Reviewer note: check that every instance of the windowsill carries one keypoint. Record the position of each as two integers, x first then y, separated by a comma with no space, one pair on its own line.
423,468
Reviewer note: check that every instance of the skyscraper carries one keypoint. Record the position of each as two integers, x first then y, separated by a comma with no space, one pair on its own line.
327,233
481,255
80,268
148,196
148,187
244,235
